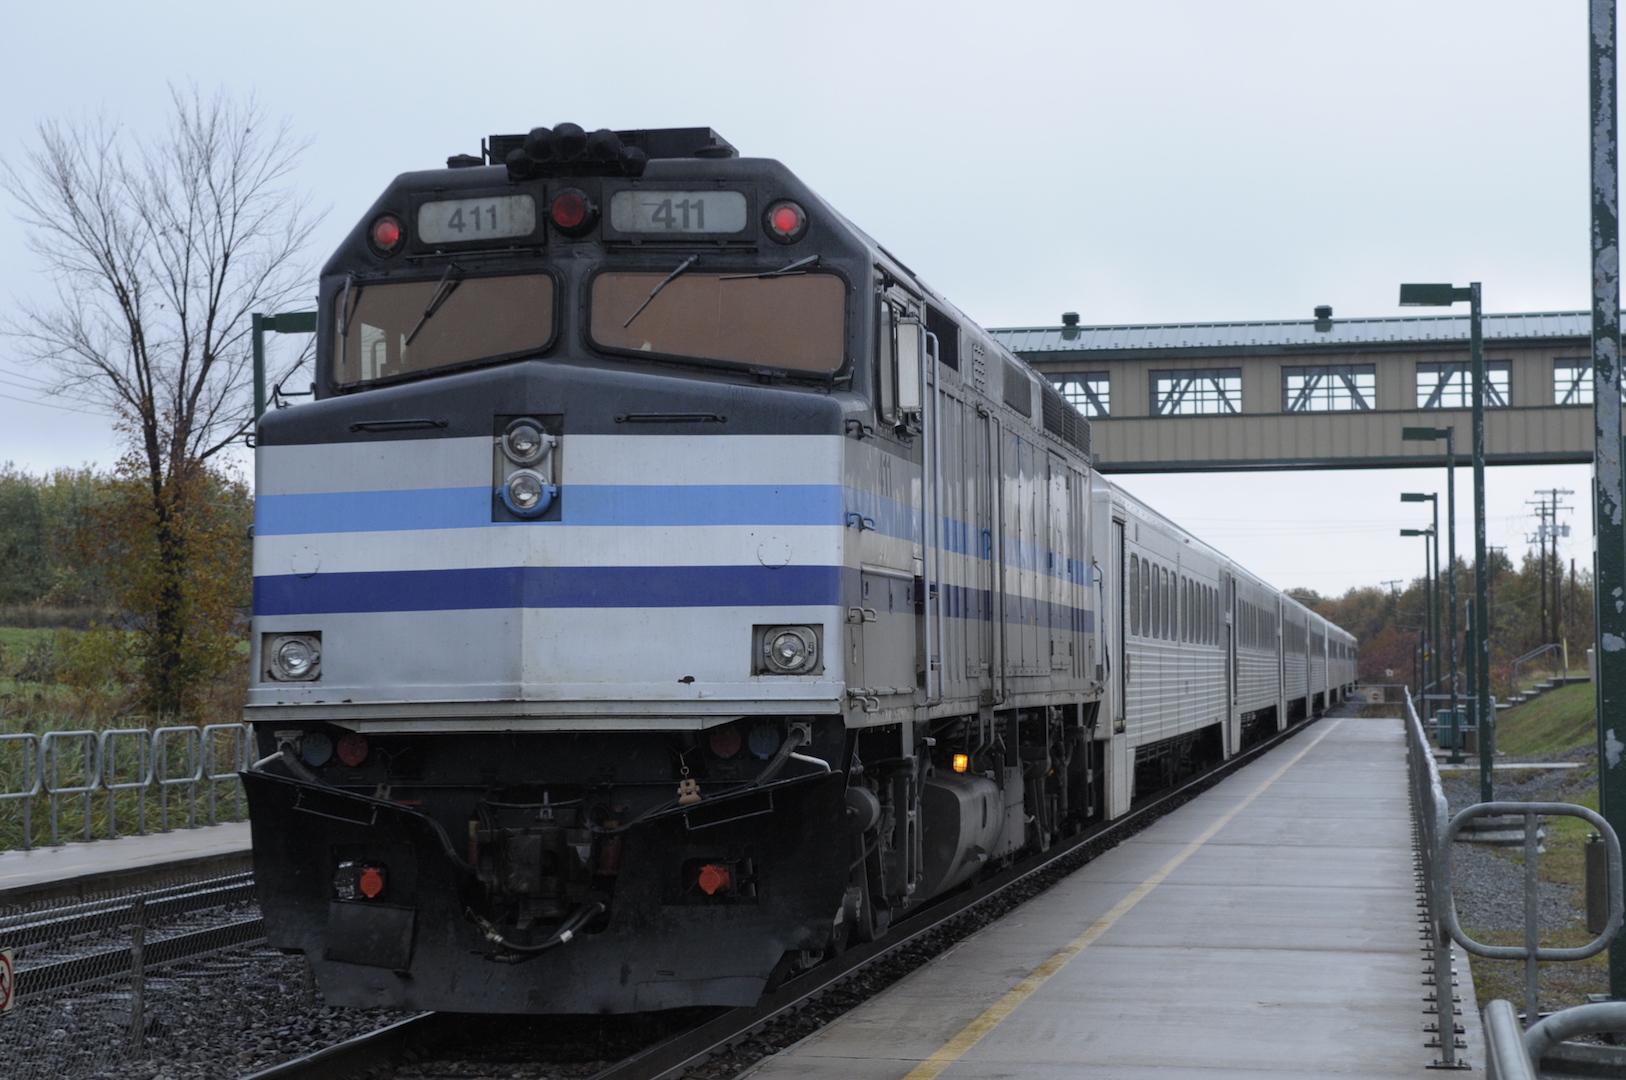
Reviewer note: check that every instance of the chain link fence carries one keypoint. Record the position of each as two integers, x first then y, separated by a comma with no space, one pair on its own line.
80,785
96,987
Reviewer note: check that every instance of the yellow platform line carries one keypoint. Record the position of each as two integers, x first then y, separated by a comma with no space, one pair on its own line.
991,1018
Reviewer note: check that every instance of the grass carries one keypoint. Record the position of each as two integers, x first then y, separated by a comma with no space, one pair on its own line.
1559,721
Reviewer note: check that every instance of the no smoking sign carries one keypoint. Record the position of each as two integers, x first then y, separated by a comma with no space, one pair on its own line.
8,981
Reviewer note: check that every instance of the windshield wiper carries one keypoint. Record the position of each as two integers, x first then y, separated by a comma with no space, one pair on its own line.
656,291
788,270
448,285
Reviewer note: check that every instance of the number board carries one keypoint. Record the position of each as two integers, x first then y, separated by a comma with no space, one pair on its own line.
677,212
495,217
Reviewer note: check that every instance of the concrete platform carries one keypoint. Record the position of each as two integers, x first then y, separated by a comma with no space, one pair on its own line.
1267,928
87,868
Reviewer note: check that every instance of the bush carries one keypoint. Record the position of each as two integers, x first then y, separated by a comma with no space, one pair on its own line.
39,663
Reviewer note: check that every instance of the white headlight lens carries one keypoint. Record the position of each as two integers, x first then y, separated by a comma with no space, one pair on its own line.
525,442
295,658
525,490
790,650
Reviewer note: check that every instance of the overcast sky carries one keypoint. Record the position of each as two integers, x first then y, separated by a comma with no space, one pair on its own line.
1144,162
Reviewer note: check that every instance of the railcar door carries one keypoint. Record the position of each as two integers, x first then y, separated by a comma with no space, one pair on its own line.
1119,603
888,621
981,472
1057,564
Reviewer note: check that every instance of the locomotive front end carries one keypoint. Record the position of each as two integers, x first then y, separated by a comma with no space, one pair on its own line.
549,588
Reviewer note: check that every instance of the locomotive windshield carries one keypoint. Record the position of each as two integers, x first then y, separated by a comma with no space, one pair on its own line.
386,331
792,321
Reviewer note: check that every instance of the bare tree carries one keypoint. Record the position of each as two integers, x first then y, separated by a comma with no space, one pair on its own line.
160,250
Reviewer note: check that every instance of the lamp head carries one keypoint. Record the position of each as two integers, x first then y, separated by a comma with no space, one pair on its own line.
1417,496
1432,295
1421,434
1413,532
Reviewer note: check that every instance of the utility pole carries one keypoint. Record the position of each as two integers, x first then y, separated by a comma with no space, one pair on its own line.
1548,531
1543,528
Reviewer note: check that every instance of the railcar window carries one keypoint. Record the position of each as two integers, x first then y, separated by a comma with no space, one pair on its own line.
948,337
795,322
1157,602
1147,625
411,327
1134,594
1168,605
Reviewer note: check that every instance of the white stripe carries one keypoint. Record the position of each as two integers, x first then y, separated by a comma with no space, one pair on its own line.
549,545
663,460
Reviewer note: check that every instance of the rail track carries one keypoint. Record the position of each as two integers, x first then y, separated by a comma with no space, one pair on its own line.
732,1039
75,962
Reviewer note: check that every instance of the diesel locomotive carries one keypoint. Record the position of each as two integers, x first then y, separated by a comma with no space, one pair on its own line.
666,588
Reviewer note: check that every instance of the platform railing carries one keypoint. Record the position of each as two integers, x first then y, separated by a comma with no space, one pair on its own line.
1511,1054
1432,810
97,783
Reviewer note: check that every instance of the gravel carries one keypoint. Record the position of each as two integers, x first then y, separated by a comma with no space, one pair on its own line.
1489,887
222,1016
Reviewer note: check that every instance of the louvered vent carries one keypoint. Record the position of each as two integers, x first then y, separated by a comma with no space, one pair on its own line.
1064,421
1018,389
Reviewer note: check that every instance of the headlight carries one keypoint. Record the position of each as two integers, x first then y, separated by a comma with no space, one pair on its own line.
525,442
527,493
293,657
790,650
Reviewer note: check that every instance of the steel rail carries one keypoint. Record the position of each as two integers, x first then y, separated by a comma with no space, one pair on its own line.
55,924
111,964
668,1058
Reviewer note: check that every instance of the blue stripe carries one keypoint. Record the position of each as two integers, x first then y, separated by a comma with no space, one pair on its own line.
644,505
614,587
548,587
579,504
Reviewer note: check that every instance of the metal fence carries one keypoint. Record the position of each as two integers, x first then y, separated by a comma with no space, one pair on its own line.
82,784
1511,1054
98,987
1431,811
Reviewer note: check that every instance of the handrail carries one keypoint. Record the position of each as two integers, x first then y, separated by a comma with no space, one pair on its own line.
1513,668
1516,1055
1430,805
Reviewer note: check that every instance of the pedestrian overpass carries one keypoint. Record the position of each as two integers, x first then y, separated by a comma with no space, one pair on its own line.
1319,393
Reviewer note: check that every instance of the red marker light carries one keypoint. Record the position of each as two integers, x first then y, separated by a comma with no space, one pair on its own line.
387,234
371,882
714,876
569,211
786,222
353,749
725,741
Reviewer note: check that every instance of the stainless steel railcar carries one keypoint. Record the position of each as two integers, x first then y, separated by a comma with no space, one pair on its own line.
666,587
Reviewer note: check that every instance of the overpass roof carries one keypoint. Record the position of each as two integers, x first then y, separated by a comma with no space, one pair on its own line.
1056,342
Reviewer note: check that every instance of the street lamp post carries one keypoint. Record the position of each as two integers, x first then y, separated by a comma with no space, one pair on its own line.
1433,498
1431,654
1484,708
1609,528
1449,434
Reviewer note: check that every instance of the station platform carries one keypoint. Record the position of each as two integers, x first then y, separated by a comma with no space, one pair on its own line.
88,868
1268,927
